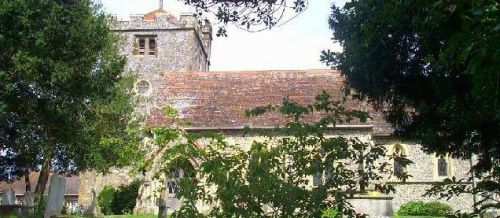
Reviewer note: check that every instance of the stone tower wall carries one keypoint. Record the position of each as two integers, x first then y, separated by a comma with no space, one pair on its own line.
182,45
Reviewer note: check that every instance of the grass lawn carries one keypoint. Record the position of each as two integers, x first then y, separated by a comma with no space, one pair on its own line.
75,216
124,216
397,216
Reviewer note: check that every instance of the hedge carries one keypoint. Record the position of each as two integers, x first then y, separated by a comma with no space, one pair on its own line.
420,208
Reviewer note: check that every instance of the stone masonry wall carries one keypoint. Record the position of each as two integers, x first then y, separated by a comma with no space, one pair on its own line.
97,181
180,47
422,172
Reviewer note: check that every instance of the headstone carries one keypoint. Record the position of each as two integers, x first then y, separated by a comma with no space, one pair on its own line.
94,209
55,200
8,197
29,202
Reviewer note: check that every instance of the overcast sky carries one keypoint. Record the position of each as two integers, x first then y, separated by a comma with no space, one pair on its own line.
295,45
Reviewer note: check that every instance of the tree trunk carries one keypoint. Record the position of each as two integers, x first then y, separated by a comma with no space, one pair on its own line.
27,181
43,178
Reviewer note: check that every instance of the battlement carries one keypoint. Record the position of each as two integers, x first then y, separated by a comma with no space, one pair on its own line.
161,42
161,20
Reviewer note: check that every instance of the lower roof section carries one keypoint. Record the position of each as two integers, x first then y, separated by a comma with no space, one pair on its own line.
219,99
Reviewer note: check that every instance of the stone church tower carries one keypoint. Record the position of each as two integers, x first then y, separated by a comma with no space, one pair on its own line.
153,44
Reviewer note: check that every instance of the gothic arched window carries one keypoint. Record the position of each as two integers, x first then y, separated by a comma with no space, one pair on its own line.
443,167
398,152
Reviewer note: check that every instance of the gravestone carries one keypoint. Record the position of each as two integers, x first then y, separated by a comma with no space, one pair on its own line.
373,206
94,209
8,197
29,202
55,200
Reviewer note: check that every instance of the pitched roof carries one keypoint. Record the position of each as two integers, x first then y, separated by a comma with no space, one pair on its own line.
219,99
19,186
158,12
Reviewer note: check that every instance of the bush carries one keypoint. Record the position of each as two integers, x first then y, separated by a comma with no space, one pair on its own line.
118,201
125,197
420,208
105,199
329,213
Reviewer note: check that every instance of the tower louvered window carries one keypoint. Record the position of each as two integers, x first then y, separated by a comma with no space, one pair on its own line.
145,45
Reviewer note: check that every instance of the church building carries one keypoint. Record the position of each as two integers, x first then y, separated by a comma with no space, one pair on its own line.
171,56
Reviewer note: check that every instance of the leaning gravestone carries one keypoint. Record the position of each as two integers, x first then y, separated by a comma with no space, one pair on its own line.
8,197
55,200
29,201
94,209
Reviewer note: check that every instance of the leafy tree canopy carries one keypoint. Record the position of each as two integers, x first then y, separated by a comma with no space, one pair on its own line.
251,15
63,98
433,67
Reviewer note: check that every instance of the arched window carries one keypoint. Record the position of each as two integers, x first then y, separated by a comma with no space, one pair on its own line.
442,165
398,152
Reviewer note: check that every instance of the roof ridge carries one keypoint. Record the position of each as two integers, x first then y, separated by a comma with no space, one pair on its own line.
254,71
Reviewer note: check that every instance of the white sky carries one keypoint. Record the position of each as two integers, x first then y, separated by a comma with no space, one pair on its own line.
295,45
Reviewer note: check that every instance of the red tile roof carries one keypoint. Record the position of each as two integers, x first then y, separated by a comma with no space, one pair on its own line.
19,186
153,14
219,99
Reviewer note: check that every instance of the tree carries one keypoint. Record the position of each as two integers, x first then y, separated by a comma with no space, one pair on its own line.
433,68
64,104
270,178
251,15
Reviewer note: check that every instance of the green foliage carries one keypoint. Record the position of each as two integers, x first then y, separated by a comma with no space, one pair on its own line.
119,201
420,208
63,97
106,199
125,197
432,66
271,177
330,213
253,15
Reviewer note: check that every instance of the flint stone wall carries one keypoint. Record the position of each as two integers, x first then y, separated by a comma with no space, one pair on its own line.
422,172
89,180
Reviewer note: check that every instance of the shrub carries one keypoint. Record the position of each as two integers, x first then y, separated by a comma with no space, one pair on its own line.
118,201
329,213
420,208
105,199
125,197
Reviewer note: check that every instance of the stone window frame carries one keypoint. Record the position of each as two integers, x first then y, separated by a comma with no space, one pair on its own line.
137,88
146,49
435,167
